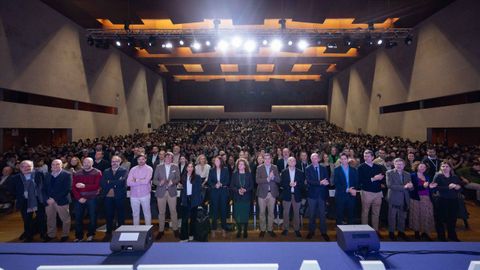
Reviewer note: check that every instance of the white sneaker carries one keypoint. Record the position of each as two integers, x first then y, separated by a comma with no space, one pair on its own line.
77,240
184,241
90,238
190,238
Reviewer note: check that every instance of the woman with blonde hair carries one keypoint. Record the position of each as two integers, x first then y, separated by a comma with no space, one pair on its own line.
202,168
74,165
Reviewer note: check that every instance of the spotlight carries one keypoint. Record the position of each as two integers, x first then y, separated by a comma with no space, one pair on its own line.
236,42
283,24
207,43
390,44
118,43
168,45
181,42
265,42
163,45
332,45
302,44
408,40
369,40
250,46
348,42
222,45
276,45
151,41
90,41
196,45
290,43
379,41
130,41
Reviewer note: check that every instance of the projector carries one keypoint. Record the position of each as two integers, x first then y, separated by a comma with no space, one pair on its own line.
353,238
132,238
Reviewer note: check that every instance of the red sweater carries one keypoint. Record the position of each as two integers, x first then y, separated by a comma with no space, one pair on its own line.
91,180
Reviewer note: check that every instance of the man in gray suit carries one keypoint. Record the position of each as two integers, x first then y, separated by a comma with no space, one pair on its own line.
166,178
399,184
267,178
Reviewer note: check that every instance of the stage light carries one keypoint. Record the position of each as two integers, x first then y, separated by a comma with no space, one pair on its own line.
369,41
265,42
90,41
196,45
290,43
348,42
302,44
332,45
390,44
151,41
222,45
237,42
118,43
250,46
130,41
379,41
181,42
408,40
276,45
168,45
163,45
207,43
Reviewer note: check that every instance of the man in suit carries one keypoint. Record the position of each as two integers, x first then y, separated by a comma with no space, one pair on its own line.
293,183
433,163
27,186
153,159
345,179
114,192
282,162
317,181
58,185
303,162
166,178
267,178
399,184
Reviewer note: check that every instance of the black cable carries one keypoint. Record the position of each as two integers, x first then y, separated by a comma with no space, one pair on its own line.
389,253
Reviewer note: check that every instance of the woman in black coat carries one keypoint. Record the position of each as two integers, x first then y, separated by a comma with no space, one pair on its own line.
242,186
191,198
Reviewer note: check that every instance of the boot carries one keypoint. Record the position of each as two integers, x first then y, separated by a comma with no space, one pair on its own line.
417,235
245,230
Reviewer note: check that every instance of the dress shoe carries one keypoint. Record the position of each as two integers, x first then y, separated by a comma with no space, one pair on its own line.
176,234
245,234
64,239
107,237
262,234
272,234
426,237
285,232
48,239
392,237
326,237
159,235
298,234
417,236
403,236
310,235
454,239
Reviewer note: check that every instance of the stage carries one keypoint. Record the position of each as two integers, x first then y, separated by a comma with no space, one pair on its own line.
289,255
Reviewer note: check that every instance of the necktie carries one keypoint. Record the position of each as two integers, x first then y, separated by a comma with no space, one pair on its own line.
347,179
318,172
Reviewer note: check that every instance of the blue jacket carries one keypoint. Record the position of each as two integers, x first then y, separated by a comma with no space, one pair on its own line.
298,189
117,182
315,190
224,179
340,180
196,198
18,189
60,190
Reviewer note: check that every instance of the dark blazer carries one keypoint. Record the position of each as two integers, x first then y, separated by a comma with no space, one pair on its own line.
18,190
432,166
340,180
235,186
150,163
302,166
315,190
118,182
298,189
416,188
60,191
263,184
196,198
224,178
281,165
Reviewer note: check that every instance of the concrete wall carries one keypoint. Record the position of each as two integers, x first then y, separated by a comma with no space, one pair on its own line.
43,52
443,60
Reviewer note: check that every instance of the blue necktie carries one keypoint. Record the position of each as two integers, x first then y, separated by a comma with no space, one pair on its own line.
318,172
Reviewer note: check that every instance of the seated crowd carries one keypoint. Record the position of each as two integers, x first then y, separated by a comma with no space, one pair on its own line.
355,178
